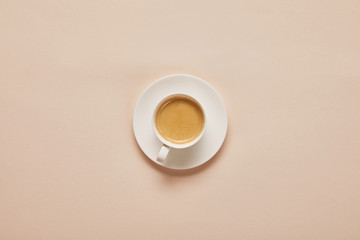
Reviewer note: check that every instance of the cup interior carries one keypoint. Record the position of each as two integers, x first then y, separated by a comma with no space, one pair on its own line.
172,144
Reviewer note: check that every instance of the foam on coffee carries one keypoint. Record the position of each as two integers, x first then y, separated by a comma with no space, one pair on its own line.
179,120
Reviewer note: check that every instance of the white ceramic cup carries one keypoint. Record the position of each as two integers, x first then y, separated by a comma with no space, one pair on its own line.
166,144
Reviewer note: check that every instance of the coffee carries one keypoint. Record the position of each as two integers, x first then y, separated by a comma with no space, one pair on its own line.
179,119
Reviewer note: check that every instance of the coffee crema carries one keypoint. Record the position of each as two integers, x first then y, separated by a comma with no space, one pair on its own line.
179,119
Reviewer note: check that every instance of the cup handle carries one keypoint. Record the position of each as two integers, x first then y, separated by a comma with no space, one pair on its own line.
164,150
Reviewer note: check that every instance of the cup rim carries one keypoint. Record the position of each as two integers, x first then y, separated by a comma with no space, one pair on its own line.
168,143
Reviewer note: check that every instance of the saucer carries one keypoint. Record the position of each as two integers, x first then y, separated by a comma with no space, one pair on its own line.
216,121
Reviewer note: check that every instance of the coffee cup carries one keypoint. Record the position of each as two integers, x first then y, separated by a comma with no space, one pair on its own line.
178,122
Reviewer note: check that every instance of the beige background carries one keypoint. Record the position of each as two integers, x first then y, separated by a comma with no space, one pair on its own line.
70,75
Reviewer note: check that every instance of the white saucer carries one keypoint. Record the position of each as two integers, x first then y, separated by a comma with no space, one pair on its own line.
215,112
